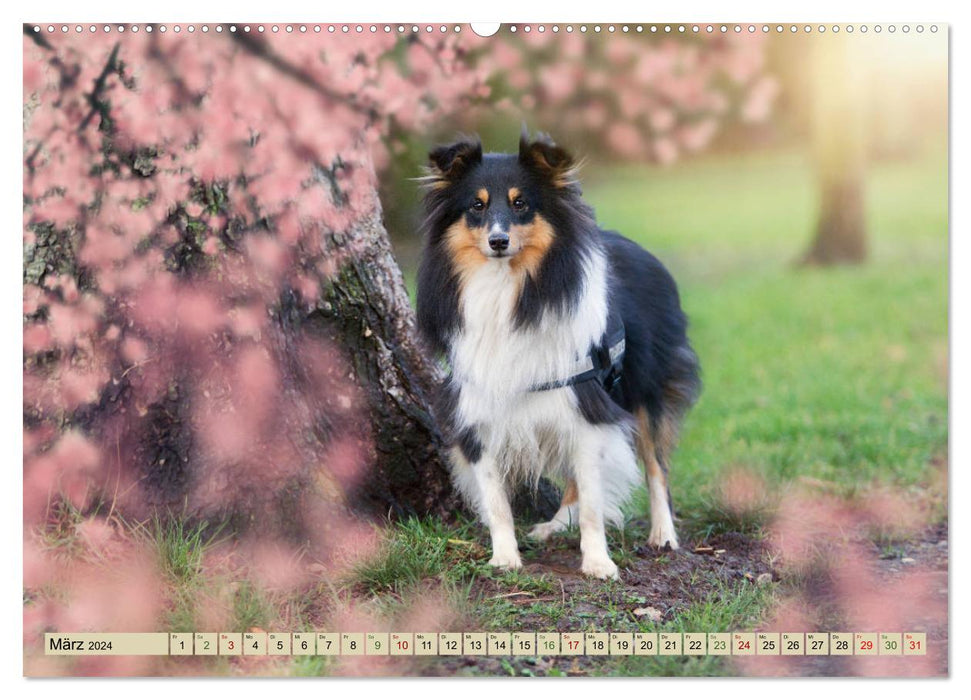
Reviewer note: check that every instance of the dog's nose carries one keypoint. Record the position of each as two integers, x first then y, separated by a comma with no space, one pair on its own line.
498,241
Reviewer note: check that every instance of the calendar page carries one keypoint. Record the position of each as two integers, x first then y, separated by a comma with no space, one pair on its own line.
521,349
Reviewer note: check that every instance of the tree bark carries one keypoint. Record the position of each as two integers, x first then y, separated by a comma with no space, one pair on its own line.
366,311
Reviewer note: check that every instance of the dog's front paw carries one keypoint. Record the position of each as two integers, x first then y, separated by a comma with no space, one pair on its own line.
663,538
506,560
600,568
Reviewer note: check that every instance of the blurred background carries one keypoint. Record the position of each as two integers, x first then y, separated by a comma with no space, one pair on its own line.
797,186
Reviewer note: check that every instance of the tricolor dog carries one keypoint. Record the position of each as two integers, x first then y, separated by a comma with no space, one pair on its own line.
566,345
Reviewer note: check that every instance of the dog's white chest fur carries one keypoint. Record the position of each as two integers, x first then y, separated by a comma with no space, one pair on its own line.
495,365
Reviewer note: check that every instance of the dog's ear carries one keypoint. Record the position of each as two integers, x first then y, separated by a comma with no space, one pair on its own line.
544,157
446,164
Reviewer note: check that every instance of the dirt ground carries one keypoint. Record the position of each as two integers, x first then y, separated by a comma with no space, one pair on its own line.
662,584
654,584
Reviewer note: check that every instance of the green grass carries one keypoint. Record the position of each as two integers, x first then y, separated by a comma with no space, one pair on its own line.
180,549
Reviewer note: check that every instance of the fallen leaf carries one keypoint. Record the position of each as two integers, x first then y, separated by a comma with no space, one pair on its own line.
652,614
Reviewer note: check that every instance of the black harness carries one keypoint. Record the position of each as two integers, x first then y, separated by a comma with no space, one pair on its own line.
603,364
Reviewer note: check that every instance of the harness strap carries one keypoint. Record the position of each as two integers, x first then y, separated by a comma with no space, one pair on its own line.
604,362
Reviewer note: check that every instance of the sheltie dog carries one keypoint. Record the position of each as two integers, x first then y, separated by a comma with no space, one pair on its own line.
566,346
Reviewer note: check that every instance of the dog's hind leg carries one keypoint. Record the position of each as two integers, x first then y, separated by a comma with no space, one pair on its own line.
564,518
654,445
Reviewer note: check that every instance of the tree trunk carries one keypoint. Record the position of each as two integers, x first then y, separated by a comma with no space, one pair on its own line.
366,312
840,153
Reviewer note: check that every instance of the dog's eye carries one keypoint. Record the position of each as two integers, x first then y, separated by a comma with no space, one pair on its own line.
519,204
478,205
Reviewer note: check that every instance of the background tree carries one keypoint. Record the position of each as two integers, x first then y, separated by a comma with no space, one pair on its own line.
839,140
